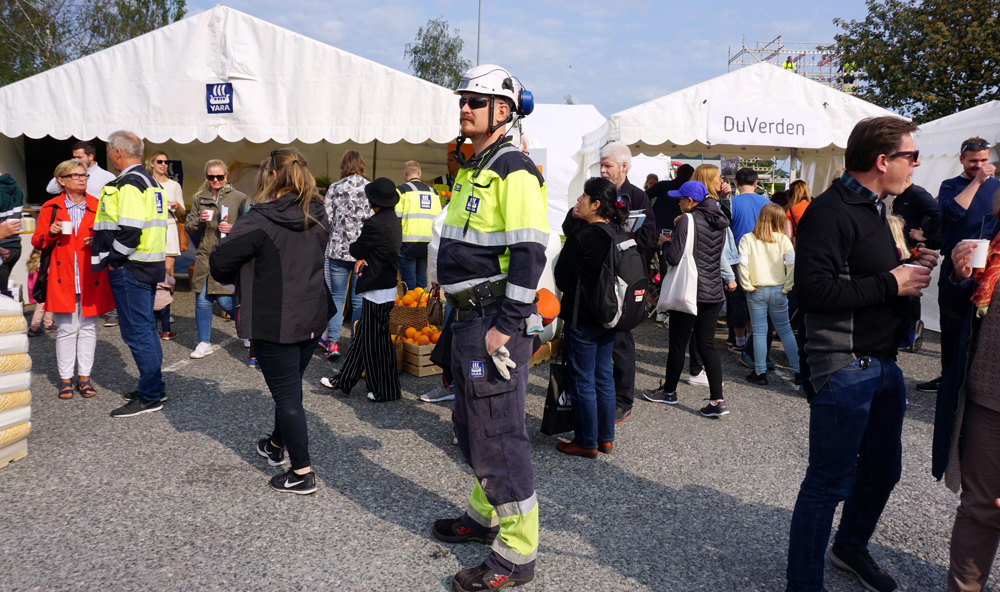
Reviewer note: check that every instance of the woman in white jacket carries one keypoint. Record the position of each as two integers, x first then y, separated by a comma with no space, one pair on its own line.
767,269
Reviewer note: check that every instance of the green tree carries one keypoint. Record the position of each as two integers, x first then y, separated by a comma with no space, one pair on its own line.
924,58
42,34
436,54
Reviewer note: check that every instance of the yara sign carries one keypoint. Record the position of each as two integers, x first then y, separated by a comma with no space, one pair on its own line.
219,97
764,125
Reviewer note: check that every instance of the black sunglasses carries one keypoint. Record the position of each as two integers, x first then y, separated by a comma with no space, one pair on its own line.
215,177
473,102
913,155
160,161
975,146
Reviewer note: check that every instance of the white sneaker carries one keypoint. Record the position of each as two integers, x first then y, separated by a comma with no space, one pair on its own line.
699,379
246,343
204,348
440,393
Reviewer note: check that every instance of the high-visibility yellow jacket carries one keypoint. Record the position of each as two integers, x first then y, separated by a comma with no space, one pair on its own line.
130,228
418,205
497,227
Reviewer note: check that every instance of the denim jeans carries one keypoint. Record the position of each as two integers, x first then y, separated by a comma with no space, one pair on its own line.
283,365
764,301
134,301
413,272
203,311
855,423
340,271
591,384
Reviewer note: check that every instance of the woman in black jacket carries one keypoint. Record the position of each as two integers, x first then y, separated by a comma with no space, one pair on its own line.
377,255
275,256
703,217
588,344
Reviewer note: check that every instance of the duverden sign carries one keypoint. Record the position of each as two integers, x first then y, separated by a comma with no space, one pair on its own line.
763,125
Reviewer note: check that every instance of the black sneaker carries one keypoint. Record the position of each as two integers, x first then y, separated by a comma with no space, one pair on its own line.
659,395
136,407
861,564
132,395
918,338
931,386
621,415
111,319
484,579
717,410
275,456
289,482
755,378
451,530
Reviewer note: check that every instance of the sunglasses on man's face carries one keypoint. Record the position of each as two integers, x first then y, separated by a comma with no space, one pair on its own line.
913,155
473,102
215,177
975,146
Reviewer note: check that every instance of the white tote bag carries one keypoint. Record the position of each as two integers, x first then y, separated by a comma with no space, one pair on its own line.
679,290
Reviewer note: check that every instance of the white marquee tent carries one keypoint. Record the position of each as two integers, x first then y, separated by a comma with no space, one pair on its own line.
223,84
757,111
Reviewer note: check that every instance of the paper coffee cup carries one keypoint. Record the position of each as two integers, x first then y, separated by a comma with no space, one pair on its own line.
211,214
980,253
67,227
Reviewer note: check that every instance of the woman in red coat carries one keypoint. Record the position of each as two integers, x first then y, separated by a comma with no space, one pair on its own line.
75,294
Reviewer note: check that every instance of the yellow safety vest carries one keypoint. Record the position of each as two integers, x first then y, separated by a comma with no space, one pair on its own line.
418,205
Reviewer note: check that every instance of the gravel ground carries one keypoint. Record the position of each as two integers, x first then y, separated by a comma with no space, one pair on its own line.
180,498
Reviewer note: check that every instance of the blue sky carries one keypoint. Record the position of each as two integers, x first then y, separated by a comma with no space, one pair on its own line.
612,54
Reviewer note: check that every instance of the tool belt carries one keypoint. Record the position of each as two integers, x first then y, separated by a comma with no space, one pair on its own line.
480,300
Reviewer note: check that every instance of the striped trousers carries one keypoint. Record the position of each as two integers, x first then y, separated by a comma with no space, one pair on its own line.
372,353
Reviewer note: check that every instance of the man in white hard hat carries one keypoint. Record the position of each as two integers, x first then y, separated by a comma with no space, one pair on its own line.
489,262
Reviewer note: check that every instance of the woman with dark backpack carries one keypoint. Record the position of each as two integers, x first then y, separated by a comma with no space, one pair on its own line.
588,343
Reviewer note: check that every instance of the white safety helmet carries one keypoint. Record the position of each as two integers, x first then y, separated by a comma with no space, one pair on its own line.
490,79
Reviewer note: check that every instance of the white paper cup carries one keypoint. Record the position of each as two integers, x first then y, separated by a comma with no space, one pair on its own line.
67,227
980,253
211,214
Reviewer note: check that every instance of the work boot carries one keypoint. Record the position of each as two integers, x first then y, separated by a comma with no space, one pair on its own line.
483,579
451,530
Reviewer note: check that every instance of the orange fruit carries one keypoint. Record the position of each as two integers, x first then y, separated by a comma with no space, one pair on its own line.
407,300
423,340
435,336
411,332
413,304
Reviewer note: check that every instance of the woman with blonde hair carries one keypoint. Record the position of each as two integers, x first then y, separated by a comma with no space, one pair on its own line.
798,200
275,257
215,208
766,271
711,177
74,293
347,208
157,165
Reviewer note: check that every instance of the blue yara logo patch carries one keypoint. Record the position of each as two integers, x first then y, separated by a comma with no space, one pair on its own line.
159,202
219,97
457,188
425,201
477,370
472,205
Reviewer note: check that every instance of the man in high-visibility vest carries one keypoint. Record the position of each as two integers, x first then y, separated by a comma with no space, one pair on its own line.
789,65
130,234
491,257
444,183
418,205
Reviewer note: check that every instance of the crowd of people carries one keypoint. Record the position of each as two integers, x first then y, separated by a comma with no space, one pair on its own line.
837,279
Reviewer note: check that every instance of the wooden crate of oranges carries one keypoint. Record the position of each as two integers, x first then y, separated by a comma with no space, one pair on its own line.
417,348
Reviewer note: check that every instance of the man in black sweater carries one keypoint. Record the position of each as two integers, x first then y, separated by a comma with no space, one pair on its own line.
852,288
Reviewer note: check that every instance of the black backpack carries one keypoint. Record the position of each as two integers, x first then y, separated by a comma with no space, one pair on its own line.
619,297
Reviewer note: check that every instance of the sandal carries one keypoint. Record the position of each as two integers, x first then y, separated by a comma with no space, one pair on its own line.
65,389
86,389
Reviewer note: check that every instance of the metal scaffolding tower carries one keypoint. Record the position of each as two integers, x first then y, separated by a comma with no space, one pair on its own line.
809,59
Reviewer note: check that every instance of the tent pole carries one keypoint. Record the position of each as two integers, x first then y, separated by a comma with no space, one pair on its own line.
375,160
